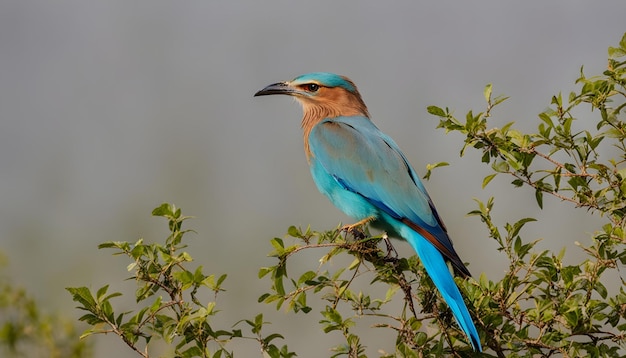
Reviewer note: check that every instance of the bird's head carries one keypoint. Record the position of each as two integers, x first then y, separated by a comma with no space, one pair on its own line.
322,95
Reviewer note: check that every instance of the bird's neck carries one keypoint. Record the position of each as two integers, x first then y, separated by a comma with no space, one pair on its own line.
332,103
315,113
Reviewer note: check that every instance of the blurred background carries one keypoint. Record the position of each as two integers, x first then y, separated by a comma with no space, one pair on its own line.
109,108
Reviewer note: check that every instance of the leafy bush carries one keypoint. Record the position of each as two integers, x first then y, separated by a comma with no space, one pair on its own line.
541,307
26,331
169,307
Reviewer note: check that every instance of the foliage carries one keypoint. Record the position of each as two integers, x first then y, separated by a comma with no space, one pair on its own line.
401,276
26,331
170,307
541,307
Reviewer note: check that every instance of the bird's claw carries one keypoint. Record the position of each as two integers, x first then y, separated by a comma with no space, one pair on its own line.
390,250
354,230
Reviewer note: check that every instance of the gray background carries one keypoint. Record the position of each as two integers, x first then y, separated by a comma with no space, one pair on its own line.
109,108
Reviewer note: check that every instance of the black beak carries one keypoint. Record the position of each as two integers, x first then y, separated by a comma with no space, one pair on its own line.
276,88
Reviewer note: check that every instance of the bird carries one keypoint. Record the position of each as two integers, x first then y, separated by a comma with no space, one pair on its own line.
365,174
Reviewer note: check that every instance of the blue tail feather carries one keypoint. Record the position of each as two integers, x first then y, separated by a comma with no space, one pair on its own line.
439,272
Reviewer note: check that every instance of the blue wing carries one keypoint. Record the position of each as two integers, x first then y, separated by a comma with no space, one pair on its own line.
365,161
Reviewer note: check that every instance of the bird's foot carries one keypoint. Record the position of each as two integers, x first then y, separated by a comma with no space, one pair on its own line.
355,229
390,250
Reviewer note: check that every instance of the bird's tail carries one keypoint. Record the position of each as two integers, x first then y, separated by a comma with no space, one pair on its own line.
442,278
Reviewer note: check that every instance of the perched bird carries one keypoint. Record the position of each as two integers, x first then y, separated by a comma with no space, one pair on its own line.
363,172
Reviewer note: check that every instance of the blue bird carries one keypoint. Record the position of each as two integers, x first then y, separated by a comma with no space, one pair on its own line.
363,172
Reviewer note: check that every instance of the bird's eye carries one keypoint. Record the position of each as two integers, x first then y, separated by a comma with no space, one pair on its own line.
312,87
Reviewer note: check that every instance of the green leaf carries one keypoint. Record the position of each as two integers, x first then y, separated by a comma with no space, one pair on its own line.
263,297
436,111
615,52
221,280
487,92
109,244
191,352
91,319
278,285
156,304
164,210
294,232
539,198
306,277
185,278
114,294
436,165
601,289
430,167
520,224
264,271
501,167
101,292
278,244
83,296
488,178
499,99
